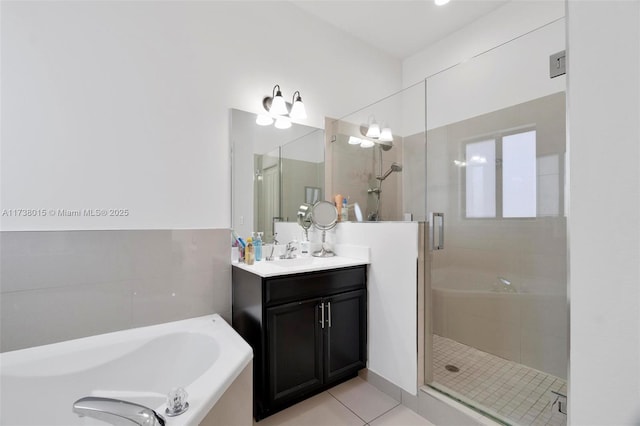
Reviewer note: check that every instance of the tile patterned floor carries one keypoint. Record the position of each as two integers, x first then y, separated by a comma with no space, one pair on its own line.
505,389
355,402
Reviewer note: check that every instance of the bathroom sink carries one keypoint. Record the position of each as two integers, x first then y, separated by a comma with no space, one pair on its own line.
293,263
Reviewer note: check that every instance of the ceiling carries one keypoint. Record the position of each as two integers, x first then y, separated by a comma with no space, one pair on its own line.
400,28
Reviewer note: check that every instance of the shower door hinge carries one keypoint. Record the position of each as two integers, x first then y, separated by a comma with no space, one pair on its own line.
560,402
558,64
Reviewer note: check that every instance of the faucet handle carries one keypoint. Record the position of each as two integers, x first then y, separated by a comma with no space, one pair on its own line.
176,402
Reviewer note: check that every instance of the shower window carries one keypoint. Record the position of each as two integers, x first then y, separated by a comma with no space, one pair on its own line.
501,176
480,163
519,175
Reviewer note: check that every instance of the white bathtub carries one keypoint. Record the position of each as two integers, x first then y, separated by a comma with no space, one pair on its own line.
203,355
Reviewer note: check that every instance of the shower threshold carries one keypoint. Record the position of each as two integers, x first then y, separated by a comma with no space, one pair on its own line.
505,391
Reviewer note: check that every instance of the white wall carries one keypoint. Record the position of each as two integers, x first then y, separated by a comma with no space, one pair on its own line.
392,296
493,80
604,139
126,104
506,23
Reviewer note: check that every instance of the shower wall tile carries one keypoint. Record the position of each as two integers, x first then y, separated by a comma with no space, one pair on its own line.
531,329
544,352
61,285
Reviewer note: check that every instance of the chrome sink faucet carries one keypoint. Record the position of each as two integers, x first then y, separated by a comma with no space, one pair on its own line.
288,254
273,246
117,412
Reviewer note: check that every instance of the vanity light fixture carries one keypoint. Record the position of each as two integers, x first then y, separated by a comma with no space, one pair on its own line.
282,123
374,129
364,143
298,110
264,120
278,105
386,135
280,110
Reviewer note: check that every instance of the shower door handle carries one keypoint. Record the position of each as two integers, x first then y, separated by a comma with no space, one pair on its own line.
433,228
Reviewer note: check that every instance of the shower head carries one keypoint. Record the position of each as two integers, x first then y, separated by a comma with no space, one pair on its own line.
395,167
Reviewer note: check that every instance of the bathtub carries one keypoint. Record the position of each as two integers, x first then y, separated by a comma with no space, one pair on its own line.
203,355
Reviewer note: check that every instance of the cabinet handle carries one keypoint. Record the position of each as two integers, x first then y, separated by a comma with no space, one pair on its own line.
322,309
329,308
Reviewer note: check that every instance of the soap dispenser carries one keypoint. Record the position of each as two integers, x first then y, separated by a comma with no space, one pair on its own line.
257,245
305,245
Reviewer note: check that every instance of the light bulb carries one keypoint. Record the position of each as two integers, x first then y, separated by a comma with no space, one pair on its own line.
373,131
386,135
282,123
298,110
264,120
278,105
366,143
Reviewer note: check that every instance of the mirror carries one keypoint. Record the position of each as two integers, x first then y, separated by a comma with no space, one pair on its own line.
304,217
324,216
383,174
274,171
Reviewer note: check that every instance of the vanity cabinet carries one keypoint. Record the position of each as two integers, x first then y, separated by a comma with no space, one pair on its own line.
308,331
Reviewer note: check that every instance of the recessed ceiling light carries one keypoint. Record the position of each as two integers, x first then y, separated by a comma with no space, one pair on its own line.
440,2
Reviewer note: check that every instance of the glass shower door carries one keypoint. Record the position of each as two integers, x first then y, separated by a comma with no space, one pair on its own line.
498,248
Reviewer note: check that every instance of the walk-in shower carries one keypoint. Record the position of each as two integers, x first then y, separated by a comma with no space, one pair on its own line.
497,325
487,157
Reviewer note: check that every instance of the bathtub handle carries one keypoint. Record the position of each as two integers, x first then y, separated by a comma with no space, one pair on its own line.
322,319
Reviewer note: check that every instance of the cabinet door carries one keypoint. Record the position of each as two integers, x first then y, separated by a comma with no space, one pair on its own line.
345,334
294,349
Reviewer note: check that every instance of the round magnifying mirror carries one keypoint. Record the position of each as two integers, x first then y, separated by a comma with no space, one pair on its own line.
324,216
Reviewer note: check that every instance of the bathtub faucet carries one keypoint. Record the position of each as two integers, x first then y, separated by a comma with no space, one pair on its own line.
117,412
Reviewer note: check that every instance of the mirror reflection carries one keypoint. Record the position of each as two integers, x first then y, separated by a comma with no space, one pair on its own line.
274,171
377,158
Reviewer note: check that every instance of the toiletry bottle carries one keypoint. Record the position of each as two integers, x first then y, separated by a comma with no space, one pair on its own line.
248,252
257,246
338,203
305,246
345,211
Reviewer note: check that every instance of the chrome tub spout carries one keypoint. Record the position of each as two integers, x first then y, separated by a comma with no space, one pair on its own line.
117,412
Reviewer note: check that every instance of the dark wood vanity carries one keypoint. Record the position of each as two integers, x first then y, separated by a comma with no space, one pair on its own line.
308,331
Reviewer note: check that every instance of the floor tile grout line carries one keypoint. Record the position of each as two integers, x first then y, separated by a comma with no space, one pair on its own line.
520,400
347,407
390,409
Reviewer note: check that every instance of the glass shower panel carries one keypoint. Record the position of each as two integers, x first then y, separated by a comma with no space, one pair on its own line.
497,291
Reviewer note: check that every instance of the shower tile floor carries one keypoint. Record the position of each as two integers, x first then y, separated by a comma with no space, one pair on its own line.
509,391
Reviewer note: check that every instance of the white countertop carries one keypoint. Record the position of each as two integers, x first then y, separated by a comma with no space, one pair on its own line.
298,265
